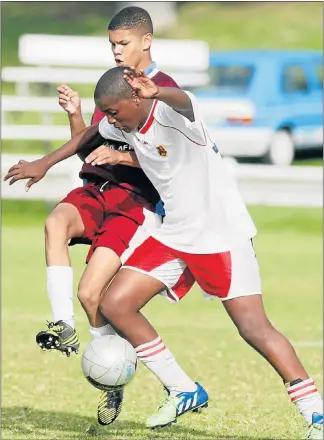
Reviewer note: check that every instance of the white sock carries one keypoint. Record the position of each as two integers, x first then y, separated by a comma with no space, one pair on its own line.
98,332
157,358
306,398
60,293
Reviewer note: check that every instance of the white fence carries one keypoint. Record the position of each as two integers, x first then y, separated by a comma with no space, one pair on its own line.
53,59
258,184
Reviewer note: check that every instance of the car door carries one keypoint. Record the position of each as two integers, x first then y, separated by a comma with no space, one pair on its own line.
302,102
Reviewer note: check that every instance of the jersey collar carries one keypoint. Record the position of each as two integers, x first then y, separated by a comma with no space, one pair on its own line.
151,70
150,119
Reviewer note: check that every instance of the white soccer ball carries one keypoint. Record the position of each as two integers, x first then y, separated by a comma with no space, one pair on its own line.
109,362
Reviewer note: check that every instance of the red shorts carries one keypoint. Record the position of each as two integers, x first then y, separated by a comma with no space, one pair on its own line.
111,216
224,275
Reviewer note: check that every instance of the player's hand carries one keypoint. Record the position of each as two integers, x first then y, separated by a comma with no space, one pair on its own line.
69,99
143,86
34,171
104,156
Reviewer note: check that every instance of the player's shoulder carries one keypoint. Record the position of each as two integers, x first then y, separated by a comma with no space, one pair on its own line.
164,80
97,116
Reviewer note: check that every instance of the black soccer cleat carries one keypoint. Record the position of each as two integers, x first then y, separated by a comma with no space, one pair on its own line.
110,405
59,336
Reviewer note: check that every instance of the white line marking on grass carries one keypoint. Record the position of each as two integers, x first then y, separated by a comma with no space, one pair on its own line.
311,344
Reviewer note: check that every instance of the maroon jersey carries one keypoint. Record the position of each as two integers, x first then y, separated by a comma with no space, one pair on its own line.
132,178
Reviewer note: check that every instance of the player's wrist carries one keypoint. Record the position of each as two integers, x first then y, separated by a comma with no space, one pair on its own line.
157,94
45,162
120,158
74,113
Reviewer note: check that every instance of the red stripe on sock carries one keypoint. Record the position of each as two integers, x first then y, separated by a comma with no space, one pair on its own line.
148,347
301,387
154,353
293,399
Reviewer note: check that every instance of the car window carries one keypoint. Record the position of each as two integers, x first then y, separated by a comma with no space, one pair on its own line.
294,79
232,78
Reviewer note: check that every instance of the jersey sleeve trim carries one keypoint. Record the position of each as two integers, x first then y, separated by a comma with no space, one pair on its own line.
185,135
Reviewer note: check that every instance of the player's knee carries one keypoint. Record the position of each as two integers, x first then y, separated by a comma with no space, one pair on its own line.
88,297
255,331
113,307
64,222
56,224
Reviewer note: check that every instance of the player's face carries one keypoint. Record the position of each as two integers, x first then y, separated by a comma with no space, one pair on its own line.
121,113
129,47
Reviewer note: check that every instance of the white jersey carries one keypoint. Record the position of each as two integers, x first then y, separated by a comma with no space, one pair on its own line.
204,212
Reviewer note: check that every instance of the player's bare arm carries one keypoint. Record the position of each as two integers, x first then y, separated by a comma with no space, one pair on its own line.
103,155
70,101
146,89
36,170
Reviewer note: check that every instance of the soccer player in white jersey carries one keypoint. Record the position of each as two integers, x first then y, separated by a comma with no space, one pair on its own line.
207,230
208,241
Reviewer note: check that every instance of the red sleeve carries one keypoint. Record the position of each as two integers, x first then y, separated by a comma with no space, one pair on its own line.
97,116
163,80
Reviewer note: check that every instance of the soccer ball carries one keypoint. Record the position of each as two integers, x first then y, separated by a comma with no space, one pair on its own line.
109,362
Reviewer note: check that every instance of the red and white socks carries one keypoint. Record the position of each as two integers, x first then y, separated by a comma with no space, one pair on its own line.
304,395
158,359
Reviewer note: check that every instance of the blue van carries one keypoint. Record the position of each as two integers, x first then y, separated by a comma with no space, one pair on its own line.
264,104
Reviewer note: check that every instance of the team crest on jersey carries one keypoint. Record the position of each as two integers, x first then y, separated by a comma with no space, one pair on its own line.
162,151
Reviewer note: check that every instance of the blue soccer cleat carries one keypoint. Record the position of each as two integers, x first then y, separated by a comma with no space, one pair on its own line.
175,406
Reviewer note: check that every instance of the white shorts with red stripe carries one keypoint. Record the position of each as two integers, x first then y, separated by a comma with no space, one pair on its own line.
224,275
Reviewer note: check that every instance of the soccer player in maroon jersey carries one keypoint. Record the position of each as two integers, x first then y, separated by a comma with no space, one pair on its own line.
113,207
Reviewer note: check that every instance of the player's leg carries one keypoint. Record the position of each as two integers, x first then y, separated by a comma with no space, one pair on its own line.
253,325
237,282
78,215
121,305
247,312
126,223
101,268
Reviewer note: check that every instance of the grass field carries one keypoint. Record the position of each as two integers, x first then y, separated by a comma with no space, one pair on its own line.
44,395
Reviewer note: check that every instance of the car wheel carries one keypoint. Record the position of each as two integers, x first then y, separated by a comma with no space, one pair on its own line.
281,150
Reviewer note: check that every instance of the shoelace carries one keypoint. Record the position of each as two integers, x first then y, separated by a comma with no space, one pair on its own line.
52,326
169,401
312,429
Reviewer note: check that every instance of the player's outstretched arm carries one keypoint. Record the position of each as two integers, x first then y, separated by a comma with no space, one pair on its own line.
70,101
146,89
36,170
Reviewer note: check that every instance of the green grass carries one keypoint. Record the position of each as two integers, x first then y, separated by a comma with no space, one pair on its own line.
286,25
44,395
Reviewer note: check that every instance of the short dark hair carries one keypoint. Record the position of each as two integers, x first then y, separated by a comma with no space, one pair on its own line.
113,83
132,17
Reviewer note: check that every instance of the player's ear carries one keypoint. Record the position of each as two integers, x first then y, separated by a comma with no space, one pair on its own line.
135,98
147,41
